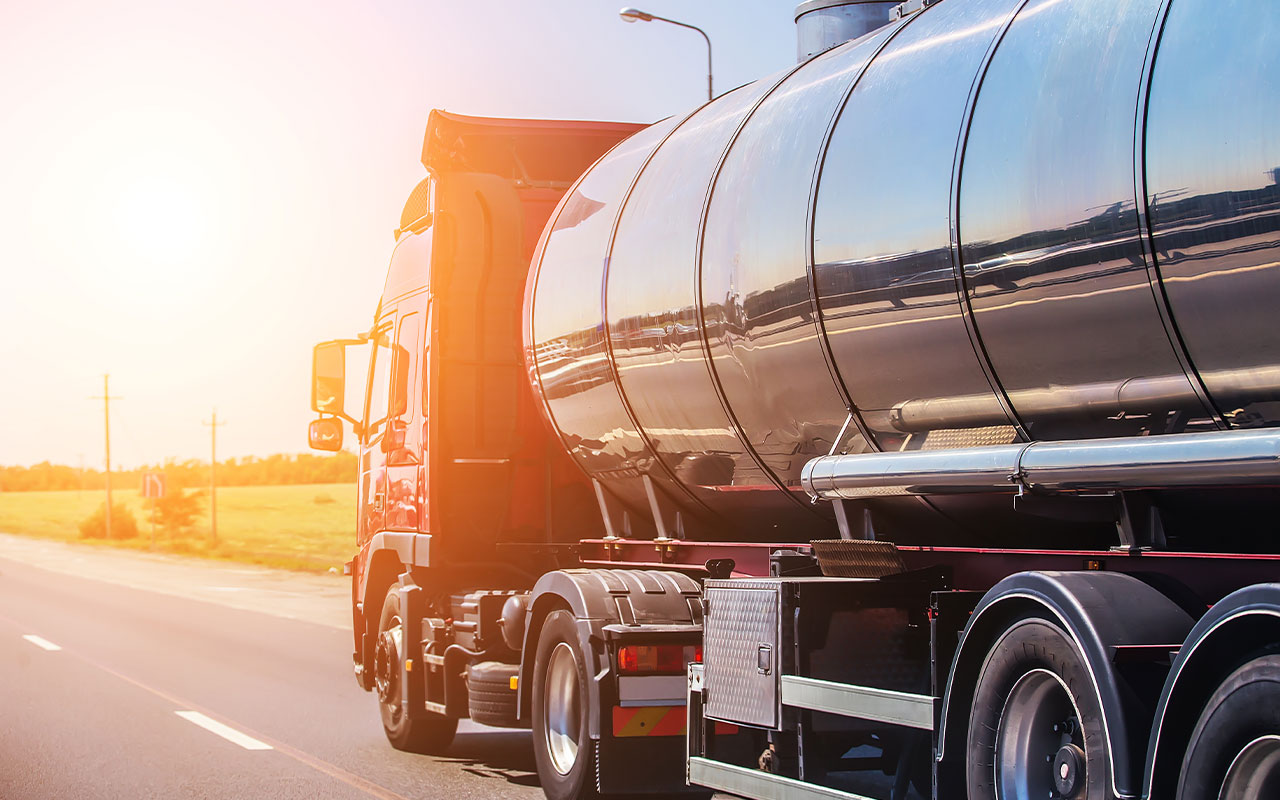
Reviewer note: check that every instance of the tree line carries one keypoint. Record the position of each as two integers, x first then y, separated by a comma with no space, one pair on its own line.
276,470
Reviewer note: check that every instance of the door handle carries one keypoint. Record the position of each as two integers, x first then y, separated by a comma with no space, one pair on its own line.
378,498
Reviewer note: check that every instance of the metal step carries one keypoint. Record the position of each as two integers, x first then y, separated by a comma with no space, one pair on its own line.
761,785
859,702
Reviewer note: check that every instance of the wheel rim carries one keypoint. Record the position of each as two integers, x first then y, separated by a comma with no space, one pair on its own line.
386,666
562,708
1040,747
1255,772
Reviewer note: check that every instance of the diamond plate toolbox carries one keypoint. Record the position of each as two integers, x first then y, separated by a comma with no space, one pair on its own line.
742,648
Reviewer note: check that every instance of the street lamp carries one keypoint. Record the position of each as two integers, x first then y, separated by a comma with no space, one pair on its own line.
636,15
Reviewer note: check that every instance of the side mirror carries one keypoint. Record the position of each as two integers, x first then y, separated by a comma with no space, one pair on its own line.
325,434
393,437
329,377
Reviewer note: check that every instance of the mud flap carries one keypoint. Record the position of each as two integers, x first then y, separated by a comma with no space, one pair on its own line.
637,765
412,670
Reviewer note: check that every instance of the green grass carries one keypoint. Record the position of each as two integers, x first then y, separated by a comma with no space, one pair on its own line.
309,527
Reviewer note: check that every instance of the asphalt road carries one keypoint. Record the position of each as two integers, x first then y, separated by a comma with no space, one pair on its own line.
154,652
133,675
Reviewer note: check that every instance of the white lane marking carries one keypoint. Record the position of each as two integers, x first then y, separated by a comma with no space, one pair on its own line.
230,734
43,644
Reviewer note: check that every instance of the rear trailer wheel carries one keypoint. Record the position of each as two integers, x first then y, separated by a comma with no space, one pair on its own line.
411,730
1234,750
561,746
1035,729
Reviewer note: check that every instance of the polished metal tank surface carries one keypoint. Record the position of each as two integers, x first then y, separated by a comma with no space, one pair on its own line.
761,334
1052,253
654,324
882,239
1212,164
989,223
571,362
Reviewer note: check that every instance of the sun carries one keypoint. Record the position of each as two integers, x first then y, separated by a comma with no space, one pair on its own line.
159,220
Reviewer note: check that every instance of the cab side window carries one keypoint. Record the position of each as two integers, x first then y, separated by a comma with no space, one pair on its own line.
405,365
379,383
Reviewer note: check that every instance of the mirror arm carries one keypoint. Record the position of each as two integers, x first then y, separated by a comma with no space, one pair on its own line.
355,424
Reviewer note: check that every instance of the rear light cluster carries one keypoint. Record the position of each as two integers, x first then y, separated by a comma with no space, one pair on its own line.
658,659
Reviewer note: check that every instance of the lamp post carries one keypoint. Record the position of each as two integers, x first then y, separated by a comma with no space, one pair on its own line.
636,15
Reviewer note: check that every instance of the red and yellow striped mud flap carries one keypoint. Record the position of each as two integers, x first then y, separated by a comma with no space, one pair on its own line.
656,721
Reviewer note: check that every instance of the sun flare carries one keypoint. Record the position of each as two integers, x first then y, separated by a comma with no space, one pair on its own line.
159,219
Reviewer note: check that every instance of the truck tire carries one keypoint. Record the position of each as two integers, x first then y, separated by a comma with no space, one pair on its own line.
561,747
1035,729
406,729
1234,751
490,698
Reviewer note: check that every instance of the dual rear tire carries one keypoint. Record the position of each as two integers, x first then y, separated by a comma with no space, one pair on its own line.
1036,731
1035,728
1235,748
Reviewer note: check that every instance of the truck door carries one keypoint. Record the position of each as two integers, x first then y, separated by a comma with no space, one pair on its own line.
373,461
402,439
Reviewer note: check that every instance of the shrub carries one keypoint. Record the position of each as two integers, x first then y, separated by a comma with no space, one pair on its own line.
177,510
123,525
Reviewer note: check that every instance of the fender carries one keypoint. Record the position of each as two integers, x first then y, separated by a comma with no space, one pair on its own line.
1096,610
600,597
412,549
1240,624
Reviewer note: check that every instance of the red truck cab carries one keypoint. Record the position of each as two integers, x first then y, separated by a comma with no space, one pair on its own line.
454,456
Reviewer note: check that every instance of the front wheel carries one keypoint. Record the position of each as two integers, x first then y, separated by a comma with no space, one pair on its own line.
561,746
1235,748
414,731
1035,730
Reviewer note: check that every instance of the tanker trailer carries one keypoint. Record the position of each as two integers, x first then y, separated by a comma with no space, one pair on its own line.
946,361
912,412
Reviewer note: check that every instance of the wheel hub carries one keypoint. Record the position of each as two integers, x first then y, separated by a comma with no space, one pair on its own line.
1040,746
1068,766
562,703
386,666
1255,772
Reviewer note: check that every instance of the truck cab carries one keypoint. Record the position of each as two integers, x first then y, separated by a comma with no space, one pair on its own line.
455,459
466,498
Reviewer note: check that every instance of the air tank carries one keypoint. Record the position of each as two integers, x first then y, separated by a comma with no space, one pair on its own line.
989,222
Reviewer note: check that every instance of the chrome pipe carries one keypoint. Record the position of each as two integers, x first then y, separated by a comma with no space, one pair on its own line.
1143,395
1216,458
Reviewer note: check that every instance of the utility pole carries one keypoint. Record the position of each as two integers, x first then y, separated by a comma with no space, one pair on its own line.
213,475
106,399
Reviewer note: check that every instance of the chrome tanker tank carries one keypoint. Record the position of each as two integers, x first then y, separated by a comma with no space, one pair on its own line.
992,221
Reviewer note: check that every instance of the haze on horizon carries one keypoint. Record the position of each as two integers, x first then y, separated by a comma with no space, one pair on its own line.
194,195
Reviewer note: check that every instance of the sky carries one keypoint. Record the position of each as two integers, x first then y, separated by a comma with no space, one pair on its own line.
193,194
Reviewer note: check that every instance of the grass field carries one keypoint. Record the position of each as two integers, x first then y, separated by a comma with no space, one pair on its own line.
308,527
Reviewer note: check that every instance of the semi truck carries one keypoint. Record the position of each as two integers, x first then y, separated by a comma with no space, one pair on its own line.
912,412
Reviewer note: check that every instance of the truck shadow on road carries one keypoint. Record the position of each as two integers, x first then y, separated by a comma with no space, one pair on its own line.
500,754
